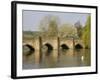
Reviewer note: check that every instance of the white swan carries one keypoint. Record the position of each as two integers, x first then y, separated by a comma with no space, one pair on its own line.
82,58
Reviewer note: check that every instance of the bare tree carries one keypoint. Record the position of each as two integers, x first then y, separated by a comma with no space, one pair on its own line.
79,28
49,26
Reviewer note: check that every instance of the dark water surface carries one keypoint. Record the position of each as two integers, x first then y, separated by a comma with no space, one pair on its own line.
53,59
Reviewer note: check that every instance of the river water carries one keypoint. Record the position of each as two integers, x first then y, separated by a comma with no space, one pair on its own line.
55,59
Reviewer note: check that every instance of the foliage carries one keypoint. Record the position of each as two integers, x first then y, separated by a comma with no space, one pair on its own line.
49,26
53,28
79,29
86,33
67,30
31,34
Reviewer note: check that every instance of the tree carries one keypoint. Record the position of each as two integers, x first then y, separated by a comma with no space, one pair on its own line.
67,30
49,26
86,33
53,28
79,29
43,26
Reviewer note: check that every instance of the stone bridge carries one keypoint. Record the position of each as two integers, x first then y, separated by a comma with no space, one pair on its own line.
53,43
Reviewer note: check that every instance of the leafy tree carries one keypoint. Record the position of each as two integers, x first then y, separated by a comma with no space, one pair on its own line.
67,30
86,33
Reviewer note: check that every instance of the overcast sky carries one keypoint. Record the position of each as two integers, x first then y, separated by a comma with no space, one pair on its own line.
31,19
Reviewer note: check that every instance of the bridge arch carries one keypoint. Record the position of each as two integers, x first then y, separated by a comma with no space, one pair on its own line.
49,46
78,46
29,46
64,46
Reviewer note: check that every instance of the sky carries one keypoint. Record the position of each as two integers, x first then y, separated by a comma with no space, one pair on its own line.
31,18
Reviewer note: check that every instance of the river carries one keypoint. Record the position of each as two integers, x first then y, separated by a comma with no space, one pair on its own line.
55,59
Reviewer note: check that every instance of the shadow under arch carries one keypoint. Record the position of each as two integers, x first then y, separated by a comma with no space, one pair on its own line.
64,46
78,46
47,48
29,50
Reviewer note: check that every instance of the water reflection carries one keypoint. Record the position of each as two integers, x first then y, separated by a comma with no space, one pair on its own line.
53,59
